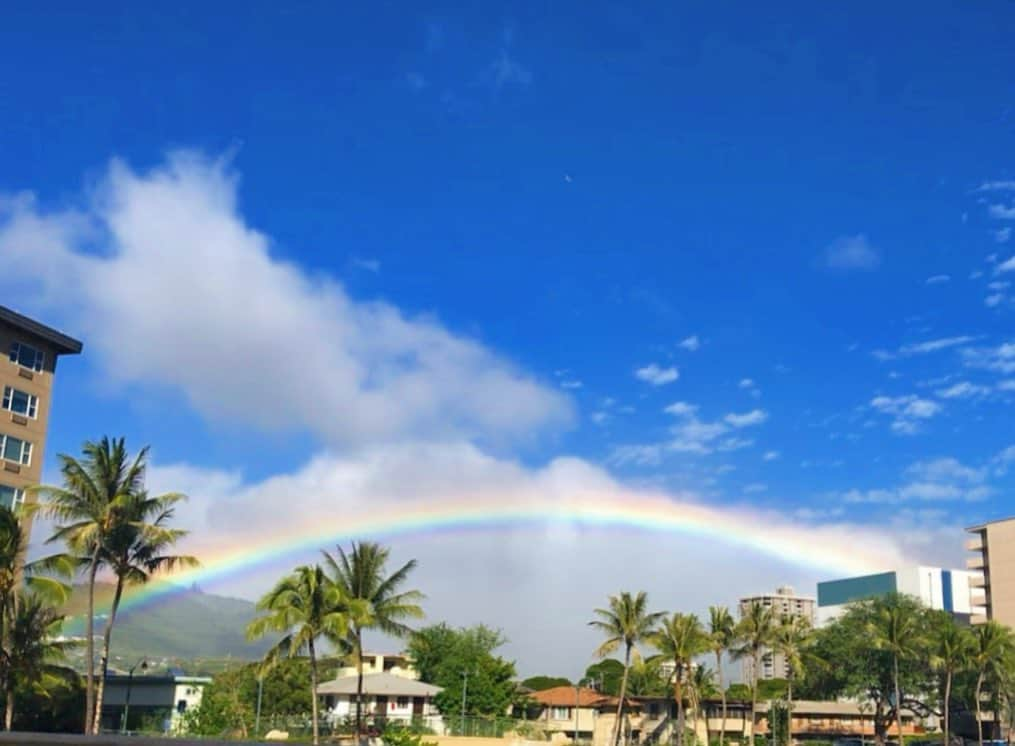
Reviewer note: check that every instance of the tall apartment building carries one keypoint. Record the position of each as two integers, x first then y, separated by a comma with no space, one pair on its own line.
936,587
992,588
26,379
785,603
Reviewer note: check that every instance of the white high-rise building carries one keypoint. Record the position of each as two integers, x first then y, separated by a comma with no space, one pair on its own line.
936,588
785,603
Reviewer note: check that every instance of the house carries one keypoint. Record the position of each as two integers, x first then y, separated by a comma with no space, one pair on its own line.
396,664
813,720
387,697
144,700
577,713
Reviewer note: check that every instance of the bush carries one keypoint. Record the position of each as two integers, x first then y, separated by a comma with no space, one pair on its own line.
400,735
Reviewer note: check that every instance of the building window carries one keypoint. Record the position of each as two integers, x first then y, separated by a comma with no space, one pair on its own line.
20,403
403,702
27,356
11,497
560,713
16,450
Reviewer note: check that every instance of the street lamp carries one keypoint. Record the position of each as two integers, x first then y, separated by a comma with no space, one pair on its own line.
143,662
465,691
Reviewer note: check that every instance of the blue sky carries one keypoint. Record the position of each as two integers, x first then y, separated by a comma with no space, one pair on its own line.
819,199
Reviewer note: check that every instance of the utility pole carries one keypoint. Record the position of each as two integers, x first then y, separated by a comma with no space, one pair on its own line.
130,680
257,717
465,691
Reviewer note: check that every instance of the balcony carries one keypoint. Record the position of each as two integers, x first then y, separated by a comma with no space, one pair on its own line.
977,581
978,619
975,544
976,562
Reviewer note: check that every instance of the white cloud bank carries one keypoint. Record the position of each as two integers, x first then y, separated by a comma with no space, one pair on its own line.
852,252
170,286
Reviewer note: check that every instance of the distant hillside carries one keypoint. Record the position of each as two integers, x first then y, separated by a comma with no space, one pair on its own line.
189,624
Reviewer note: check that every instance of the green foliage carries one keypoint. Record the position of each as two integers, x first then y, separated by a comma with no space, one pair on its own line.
778,723
540,683
398,735
442,653
60,708
739,691
772,689
607,675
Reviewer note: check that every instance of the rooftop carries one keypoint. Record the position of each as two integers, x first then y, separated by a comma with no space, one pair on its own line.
981,526
384,684
64,345
567,696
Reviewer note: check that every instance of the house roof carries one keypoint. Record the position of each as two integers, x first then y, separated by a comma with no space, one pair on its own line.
63,344
817,707
567,696
382,684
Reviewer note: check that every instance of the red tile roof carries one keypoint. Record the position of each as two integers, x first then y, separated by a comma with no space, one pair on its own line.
566,696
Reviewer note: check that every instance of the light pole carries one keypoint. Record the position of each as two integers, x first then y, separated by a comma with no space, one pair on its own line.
130,681
257,717
465,691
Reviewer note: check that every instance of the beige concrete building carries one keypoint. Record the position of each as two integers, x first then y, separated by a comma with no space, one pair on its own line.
785,603
992,589
26,381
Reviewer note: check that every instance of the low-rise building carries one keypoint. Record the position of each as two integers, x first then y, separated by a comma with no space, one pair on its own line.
816,720
937,588
397,664
149,701
387,697
992,588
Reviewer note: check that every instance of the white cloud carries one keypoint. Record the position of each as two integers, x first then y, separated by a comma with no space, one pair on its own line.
947,469
934,345
1002,235
963,390
656,375
681,409
172,288
571,384
907,410
852,252
1000,359
993,300
938,279
754,417
1006,385
505,70
370,265
939,480
559,503
771,455
690,344
997,186
1002,212
746,383
1007,266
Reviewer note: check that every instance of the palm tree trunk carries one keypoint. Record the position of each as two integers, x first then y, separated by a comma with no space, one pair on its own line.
313,691
948,696
979,714
898,696
755,665
90,645
623,694
359,685
9,710
678,695
104,661
722,691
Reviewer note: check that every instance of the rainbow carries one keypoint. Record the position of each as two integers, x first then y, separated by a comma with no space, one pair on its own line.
846,549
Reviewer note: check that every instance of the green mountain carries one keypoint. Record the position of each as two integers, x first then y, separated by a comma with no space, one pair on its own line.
187,625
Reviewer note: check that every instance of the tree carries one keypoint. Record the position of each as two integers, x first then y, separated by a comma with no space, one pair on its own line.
951,647
444,656
135,551
606,675
897,627
646,678
34,650
854,667
305,606
87,508
361,576
754,634
722,632
792,639
625,623
539,683
700,686
992,644
679,640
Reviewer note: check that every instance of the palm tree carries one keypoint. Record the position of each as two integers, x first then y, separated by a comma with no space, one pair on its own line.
792,639
625,623
722,631
896,627
361,576
135,552
753,636
700,686
951,647
87,508
305,606
33,649
992,644
679,640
